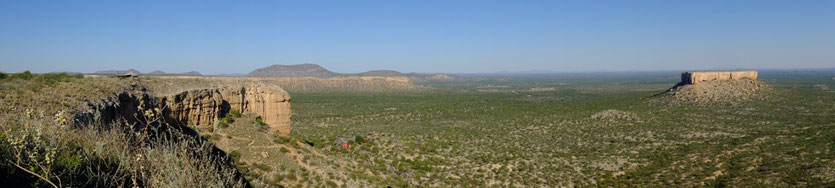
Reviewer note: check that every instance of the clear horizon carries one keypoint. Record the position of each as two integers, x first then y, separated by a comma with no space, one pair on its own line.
216,37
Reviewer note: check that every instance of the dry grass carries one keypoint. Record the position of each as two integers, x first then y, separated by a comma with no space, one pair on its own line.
41,145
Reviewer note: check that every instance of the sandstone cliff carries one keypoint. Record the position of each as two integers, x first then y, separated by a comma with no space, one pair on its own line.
272,104
203,107
696,77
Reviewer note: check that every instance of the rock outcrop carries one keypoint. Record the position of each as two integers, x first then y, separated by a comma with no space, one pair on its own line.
696,77
712,86
203,107
272,104
200,107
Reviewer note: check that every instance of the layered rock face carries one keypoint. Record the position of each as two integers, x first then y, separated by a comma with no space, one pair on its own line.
270,103
203,107
196,107
696,77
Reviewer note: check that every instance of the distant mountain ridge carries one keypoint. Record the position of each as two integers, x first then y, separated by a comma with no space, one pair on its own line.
156,72
313,70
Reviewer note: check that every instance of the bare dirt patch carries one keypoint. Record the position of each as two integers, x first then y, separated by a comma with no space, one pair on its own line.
615,116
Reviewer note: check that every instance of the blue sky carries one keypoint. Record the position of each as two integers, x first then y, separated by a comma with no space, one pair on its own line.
415,36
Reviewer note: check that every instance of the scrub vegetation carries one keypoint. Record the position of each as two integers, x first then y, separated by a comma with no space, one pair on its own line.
522,132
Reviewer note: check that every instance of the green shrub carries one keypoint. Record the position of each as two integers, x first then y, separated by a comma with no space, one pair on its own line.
291,176
243,169
284,150
281,139
359,139
235,155
222,124
261,122
58,77
226,121
3,75
234,113
277,178
263,167
25,75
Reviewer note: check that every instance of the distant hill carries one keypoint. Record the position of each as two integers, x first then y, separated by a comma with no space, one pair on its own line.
381,73
157,72
300,70
118,72
191,73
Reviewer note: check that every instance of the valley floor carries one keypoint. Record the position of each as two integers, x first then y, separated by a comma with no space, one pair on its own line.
595,134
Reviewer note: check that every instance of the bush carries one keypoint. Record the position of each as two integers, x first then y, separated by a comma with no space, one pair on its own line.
291,176
359,139
281,139
234,113
261,122
25,75
277,178
263,167
226,121
58,77
235,155
284,150
3,75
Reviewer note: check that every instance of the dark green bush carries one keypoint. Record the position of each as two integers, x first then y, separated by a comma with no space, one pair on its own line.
263,167
260,122
234,113
25,75
281,139
235,155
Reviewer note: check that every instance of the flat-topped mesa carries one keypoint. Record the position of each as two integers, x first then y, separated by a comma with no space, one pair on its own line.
203,107
695,77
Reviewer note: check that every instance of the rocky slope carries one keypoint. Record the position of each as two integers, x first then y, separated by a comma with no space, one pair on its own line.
720,90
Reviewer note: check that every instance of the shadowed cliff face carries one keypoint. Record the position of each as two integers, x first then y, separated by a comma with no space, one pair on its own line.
203,107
